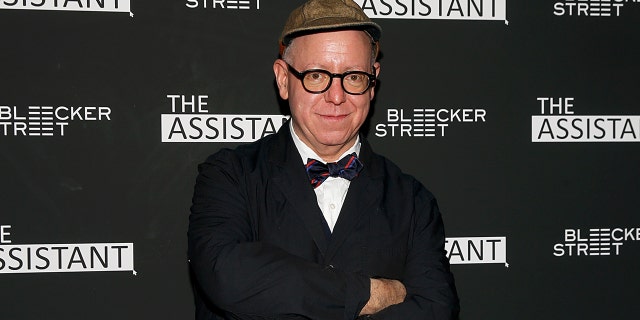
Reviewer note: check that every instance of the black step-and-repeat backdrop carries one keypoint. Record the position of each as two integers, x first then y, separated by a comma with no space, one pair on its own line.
521,116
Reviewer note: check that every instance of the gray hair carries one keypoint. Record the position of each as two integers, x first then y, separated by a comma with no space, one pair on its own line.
286,52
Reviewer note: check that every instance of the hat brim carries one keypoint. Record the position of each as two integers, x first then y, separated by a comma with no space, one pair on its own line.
332,24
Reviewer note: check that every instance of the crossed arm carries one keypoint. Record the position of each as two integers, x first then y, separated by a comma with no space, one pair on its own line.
256,280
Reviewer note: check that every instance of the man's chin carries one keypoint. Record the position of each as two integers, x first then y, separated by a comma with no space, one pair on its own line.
337,140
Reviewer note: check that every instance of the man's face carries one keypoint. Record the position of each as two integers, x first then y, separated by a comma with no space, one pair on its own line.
327,122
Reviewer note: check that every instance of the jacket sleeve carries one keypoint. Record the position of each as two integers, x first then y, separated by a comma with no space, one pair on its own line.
249,278
431,291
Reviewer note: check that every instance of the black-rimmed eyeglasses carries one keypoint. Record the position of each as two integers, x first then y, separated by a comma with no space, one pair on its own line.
319,81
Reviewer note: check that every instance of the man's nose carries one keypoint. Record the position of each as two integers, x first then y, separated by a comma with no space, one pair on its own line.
335,94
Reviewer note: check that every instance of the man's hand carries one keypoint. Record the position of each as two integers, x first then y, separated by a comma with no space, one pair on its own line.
384,292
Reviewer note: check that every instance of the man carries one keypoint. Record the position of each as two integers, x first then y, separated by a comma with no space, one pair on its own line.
274,236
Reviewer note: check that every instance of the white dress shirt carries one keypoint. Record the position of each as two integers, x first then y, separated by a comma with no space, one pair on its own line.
332,192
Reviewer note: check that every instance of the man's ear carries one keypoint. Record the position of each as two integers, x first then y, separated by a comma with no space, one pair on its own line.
282,80
372,92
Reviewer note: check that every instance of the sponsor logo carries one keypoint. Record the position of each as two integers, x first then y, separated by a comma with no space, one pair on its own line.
47,121
595,241
190,121
436,9
75,257
224,4
477,250
591,8
557,123
69,5
426,122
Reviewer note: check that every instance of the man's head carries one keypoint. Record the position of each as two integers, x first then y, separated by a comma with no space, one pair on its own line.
328,72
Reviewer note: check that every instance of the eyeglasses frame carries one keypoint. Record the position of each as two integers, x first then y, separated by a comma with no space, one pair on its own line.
301,75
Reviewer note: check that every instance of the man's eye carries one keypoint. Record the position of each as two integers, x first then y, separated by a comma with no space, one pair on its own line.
355,77
316,76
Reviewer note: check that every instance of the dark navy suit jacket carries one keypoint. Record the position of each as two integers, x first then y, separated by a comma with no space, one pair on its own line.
258,247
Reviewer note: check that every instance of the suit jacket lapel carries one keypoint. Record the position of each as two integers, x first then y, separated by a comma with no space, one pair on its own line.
363,195
291,178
